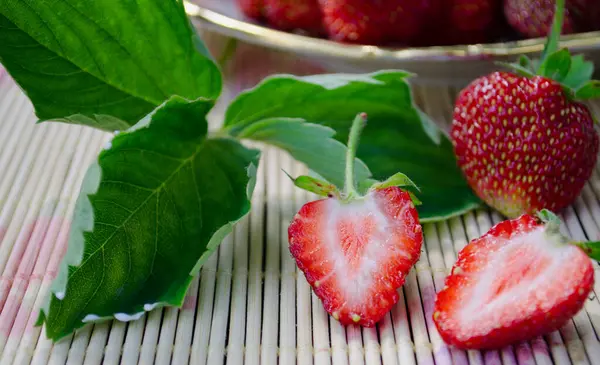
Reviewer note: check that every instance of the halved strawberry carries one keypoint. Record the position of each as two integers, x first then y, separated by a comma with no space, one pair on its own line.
520,280
354,250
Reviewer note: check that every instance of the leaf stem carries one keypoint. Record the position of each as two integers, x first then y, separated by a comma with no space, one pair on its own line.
357,126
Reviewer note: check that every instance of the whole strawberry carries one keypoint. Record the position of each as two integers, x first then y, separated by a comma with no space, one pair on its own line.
461,22
520,280
294,14
252,8
355,250
523,141
533,18
375,21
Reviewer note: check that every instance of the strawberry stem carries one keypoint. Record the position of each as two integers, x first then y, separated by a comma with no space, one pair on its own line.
554,36
357,126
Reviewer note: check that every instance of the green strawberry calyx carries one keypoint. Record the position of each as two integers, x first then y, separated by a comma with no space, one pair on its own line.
552,224
574,73
351,191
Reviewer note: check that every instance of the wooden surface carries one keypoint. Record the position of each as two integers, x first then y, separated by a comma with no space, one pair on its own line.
250,304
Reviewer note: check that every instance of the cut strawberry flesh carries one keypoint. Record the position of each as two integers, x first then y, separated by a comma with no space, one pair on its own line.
357,254
512,286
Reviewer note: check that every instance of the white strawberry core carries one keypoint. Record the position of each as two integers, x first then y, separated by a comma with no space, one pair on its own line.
514,281
358,238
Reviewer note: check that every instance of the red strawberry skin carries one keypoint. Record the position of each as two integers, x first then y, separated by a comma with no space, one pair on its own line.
252,8
522,145
375,21
533,18
294,14
461,22
356,255
510,285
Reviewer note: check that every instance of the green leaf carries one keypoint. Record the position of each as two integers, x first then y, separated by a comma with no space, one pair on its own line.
548,217
592,249
581,72
557,65
398,179
414,199
364,186
590,90
151,211
526,63
516,68
310,143
103,63
397,138
525,66
552,224
314,185
430,128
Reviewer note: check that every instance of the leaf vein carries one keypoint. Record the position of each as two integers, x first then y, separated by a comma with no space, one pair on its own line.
143,150
114,203
143,203
125,50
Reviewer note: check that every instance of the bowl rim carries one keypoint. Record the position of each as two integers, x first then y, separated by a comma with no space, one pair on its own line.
266,36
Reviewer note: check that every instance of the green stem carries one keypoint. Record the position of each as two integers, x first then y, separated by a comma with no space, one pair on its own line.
229,50
554,36
357,126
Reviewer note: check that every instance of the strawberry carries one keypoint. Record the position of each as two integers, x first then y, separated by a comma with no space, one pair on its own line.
252,8
533,18
294,14
356,250
523,141
375,21
520,280
461,22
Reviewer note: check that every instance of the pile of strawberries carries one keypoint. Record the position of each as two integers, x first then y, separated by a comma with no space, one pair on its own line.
422,22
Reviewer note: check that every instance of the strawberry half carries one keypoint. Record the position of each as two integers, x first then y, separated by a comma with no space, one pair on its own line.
356,250
523,139
520,280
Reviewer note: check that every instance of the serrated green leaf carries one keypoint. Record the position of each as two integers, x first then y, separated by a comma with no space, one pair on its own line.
312,144
396,139
398,179
557,65
590,90
581,72
152,209
103,63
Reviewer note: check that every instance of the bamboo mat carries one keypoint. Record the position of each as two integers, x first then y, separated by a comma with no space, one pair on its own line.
250,304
